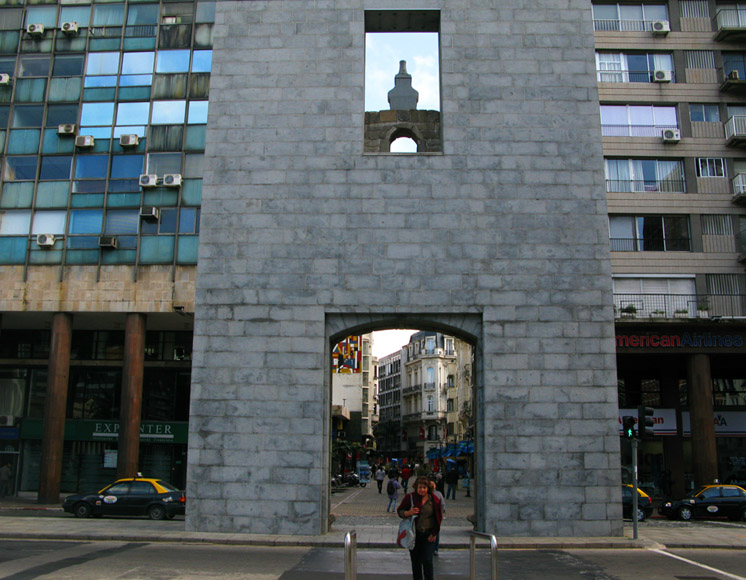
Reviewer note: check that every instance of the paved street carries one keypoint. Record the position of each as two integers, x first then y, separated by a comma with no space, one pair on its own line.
46,544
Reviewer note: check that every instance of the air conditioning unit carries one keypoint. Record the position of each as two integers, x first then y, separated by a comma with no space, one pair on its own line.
662,76
733,75
66,129
107,242
129,140
172,180
5,79
36,30
7,420
70,28
46,240
148,180
84,141
148,212
661,27
671,135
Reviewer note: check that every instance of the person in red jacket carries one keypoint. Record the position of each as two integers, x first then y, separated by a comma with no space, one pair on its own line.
427,507
406,473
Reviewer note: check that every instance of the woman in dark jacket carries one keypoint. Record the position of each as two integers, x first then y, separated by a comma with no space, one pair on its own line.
427,508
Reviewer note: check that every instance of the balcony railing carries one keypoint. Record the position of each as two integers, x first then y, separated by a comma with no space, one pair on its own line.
739,187
730,24
661,185
429,386
735,130
623,25
411,389
630,76
651,244
679,305
634,130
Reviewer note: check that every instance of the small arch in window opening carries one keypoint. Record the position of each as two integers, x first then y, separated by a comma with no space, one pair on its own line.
403,142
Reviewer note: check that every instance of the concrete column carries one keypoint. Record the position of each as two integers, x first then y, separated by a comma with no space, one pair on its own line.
55,407
131,406
704,459
673,447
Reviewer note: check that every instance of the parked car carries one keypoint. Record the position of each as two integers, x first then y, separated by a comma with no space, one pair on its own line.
644,503
134,496
707,502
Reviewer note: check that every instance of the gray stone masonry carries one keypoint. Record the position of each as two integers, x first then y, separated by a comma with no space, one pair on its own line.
501,240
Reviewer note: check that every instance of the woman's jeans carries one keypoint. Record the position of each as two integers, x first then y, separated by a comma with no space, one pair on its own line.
392,504
422,558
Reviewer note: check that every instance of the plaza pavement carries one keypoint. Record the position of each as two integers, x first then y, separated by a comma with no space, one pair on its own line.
359,509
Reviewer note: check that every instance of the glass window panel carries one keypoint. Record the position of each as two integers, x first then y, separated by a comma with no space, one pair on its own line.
24,141
86,221
104,81
20,168
102,63
631,12
655,11
122,221
108,15
129,130
8,65
133,113
157,249
61,115
14,223
68,65
142,14
650,230
134,63
11,18
160,163
49,222
168,112
605,12
193,165
126,166
205,11
97,114
168,221
640,115
202,61
172,61
79,14
56,167
92,186
46,15
4,117
665,116
187,220
135,81
35,65
28,116
148,227
197,112
91,166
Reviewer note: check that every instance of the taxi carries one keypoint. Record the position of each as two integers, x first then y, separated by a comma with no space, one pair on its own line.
132,496
708,501
644,503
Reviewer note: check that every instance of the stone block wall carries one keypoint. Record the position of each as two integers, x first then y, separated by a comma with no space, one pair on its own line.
502,239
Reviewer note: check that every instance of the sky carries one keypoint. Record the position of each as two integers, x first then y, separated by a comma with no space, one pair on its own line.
389,341
383,51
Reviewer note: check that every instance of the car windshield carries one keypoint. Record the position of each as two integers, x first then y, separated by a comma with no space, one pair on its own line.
695,493
167,486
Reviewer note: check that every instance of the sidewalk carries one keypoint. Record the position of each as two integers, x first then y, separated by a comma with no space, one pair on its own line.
22,518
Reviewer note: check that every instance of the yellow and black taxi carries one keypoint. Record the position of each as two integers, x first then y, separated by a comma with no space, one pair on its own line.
133,496
708,501
644,503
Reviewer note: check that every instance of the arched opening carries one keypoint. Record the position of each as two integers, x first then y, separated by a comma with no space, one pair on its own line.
422,416
403,145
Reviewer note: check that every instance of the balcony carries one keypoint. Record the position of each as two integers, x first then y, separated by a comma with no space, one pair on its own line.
635,76
730,25
635,130
643,185
733,79
658,306
651,244
424,416
411,389
627,26
739,188
429,386
735,131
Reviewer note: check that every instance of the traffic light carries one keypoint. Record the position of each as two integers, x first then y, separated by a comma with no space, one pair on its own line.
628,426
645,422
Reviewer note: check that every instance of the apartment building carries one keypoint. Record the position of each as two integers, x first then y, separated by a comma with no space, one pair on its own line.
672,90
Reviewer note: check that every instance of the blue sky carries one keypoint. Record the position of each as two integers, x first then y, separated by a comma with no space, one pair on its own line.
383,51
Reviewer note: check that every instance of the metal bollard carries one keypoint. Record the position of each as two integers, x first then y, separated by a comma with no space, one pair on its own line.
473,555
351,555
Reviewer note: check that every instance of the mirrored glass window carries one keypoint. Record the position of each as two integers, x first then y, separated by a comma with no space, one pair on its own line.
160,163
102,63
94,114
202,61
126,166
197,112
36,65
49,222
132,113
20,168
68,65
92,166
86,221
168,112
56,167
108,15
28,116
61,115
8,65
172,61
142,14
122,221
134,63
14,223
79,14
46,15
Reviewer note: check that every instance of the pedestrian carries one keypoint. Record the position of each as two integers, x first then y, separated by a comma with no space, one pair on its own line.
427,507
5,473
439,483
406,473
380,475
452,483
392,489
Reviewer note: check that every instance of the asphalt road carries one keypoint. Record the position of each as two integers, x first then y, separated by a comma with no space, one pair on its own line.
49,560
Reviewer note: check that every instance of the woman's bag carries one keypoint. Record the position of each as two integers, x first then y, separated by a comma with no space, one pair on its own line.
406,536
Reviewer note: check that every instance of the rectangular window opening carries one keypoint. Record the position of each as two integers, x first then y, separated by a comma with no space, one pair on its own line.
402,75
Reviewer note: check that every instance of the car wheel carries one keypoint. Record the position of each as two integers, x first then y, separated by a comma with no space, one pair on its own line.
640,515
82,510
156,512
685,513
363,484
